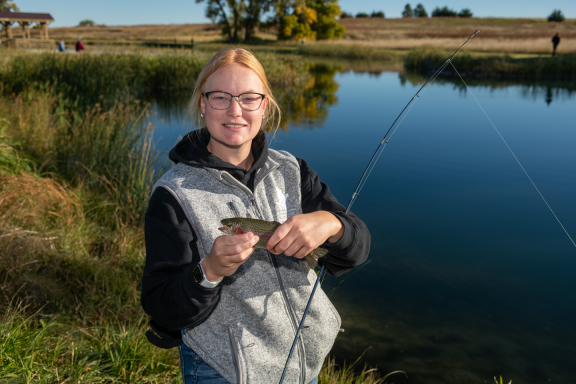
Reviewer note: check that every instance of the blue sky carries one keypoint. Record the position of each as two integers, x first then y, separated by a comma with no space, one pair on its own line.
131,12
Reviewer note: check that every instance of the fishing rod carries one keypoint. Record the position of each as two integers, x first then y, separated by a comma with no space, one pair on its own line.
361,183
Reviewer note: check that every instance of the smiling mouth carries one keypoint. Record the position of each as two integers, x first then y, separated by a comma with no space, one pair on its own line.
233,125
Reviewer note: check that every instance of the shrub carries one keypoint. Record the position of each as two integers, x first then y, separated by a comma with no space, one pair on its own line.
443,12
361,14
556,16
419,11
345,15
377,14
466,12
86,23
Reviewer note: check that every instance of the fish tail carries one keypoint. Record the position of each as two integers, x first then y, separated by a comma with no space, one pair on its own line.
312,257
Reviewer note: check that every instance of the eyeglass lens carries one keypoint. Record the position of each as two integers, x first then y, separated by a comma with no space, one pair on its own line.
223,100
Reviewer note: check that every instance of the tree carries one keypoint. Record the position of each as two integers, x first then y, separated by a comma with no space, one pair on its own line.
311,19
556,15
466,12
241,15
377,14
86,23
8,6
345,15
407,12
443,12
361,15
419,11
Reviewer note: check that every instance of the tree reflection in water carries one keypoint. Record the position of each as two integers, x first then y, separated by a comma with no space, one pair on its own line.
306,105
536,90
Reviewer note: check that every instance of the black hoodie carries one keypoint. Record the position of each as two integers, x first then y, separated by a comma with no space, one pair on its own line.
170,295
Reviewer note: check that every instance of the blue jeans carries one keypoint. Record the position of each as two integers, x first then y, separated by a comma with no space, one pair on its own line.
196,371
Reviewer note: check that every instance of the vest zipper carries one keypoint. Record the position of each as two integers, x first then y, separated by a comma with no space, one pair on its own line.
292,315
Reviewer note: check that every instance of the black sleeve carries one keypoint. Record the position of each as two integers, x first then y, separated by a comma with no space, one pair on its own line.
170,295
354,246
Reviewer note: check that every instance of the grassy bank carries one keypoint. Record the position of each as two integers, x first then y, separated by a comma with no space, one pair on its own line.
429,59
76,165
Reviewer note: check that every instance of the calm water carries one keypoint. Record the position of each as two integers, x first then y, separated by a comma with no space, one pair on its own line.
470,276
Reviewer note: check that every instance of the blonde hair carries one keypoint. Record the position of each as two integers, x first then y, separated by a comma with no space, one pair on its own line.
231,56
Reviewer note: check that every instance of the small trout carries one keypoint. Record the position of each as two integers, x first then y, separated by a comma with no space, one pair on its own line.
264,230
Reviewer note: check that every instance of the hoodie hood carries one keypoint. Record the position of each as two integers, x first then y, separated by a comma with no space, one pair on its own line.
193,150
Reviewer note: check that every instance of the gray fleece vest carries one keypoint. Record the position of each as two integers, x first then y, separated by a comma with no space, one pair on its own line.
248,336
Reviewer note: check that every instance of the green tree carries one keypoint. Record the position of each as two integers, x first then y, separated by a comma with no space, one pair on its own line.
311,19
377,14
407,12
556,15
361,15
86,23
235,16
443,12
419,11
345,15
466,12
8,6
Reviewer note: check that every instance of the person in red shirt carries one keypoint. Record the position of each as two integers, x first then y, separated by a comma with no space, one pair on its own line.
79,45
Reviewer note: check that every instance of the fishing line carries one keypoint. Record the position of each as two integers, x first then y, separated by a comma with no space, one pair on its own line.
518,161
361,183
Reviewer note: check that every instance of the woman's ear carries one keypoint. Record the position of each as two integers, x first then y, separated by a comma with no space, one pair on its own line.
202,105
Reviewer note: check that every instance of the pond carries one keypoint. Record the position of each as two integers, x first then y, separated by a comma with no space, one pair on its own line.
470,274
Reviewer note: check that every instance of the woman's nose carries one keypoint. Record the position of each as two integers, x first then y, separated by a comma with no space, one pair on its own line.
234,108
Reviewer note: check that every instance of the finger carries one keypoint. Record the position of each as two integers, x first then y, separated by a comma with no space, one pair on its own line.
235,239
278,235
234,249
302,252
240,257
294,248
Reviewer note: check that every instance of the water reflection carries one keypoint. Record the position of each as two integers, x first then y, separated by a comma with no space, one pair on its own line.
306,106
535,90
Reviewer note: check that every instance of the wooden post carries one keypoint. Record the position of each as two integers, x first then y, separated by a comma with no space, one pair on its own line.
44,30
26,28
8,28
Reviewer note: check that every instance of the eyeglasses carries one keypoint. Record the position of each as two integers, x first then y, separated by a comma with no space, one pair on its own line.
249,101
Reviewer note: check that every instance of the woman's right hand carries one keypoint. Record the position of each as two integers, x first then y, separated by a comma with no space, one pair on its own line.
227,254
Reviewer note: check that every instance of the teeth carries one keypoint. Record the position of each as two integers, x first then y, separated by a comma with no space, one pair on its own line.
233,125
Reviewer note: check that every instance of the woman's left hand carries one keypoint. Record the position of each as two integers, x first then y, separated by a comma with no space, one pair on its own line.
301,234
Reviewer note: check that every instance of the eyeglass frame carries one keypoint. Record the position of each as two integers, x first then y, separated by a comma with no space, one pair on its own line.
206,94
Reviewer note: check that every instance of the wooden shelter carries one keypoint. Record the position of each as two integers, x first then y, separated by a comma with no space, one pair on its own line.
25,19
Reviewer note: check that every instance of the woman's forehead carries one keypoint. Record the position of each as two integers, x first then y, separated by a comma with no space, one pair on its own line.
234,79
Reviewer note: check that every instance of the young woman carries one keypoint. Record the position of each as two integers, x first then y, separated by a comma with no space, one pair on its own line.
233,310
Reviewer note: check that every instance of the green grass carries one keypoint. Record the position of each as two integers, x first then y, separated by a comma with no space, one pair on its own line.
106,79
428,60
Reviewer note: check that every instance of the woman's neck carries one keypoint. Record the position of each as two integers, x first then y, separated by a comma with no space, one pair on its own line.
240,156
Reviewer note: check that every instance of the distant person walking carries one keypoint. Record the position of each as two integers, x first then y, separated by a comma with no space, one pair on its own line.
61,46
79,45
555,42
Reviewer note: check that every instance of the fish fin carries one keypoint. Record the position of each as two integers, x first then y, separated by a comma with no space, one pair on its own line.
312,262
319,252
275,222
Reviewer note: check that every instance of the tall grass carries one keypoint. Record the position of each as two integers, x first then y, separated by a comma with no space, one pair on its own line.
429,59
107,79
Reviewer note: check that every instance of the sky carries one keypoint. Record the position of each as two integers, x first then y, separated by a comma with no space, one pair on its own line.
68,13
